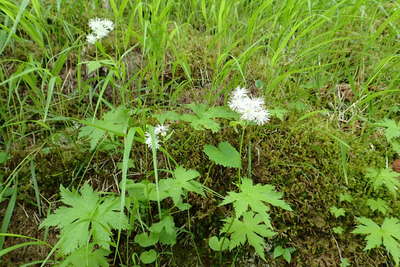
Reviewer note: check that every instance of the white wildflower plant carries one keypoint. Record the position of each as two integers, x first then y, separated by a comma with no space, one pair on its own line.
100,27
251,109
159,130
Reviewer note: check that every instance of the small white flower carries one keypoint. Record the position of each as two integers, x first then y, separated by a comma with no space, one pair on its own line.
100,28
149,142
158,130
250,109
91,38
161,130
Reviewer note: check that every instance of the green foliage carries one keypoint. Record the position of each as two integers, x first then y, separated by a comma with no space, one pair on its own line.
338,230
344,262
337,212
387,235
392,133
383,177
90,218
378,204
254,197
148,257
344,197
286,253
3,157
218,244
203,117
86,256
175,188
163,231
225,154
114,122
251,229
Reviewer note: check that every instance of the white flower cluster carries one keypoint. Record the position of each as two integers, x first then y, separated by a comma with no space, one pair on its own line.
100,28
158,130
250,108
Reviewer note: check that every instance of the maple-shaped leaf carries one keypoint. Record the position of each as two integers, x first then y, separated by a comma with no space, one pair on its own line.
169,115
337,212
392,129
387,235
286,253
225,154
166,230
114,122
378,204
177,187
383,177
251,229
203,117
90,218
86,257
255,197
345,197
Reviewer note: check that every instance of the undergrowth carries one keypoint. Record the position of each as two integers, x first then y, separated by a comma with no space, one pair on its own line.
199,133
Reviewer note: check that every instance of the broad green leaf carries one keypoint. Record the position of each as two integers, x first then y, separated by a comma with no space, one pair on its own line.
255,197
378,204
344,197
90,218
146,240
218,244
286,253
148,257
337,212
383,177
87,257
166,230
250,229
387,235
392,129
114,122
225,154
345,262
169,115
338,230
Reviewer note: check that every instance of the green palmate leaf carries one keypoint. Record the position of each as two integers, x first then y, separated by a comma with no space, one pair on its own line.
146,240
383,177
344,197
251,229
337,212
225,154
344,262
338,230
114,122
392,129
278,113
218,244
177,187
378,204
169,115
203,117
255,197
387,235
286,253
86,257
166,230
148,257
90,218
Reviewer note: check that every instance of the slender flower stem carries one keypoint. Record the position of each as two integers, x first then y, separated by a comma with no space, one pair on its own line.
154,151
240,151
